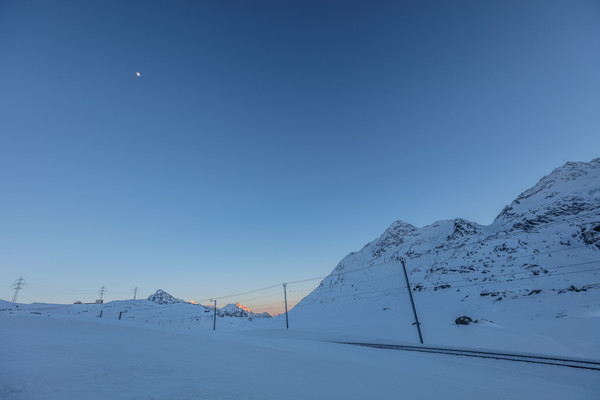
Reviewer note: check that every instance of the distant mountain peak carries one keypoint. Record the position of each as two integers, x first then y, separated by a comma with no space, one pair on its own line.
393,237
162,297
463,228
243,307
568,172
240,310
235,310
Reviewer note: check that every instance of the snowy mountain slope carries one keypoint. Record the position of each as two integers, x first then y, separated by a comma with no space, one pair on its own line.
546,244
571,190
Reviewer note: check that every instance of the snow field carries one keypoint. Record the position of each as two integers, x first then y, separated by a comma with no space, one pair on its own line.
57,358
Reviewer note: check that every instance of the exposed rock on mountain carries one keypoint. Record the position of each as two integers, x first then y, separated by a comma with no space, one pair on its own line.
162,297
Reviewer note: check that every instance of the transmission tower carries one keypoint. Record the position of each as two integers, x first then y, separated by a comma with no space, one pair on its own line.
135,293
101,292
18,285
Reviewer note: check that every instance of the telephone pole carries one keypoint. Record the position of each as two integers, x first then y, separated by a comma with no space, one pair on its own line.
412,302
285,297
135,293
18,285
214,316
101,292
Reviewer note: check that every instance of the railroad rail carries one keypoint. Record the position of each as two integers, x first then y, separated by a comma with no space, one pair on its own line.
527,358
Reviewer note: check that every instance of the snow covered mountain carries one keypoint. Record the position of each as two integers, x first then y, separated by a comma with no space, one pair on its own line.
541,247
240,310
162,297
230,310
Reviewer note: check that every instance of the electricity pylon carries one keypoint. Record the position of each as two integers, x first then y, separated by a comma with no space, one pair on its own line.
101,292
18,285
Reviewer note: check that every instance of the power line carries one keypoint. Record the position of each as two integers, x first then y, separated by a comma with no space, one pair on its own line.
507,293
309,279
394,275
510,233
395,291
509,258
261,297
472,284
527,277
399,274
241,294
392,291
264,288
495,236
512,258
518,273
359,295
388,291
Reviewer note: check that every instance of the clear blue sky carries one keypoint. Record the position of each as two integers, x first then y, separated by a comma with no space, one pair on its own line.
265,140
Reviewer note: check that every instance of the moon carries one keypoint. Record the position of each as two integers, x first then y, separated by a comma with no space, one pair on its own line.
138,74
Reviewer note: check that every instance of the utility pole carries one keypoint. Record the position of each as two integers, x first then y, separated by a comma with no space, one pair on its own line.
412,302
214,316
101,292
285,297
18,285
135,293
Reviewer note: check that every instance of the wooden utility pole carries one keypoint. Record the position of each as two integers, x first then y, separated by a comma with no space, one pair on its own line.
286,313
215,316
412,302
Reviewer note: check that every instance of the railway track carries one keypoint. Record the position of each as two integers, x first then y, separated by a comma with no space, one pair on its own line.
527,358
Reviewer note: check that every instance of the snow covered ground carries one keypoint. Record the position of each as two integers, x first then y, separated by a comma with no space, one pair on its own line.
58,354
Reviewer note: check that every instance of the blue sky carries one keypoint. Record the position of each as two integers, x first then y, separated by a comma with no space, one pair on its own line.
265,140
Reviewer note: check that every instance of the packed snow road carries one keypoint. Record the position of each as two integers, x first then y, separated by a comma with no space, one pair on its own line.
51,358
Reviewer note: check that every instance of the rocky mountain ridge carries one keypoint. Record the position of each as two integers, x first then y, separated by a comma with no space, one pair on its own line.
551,231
